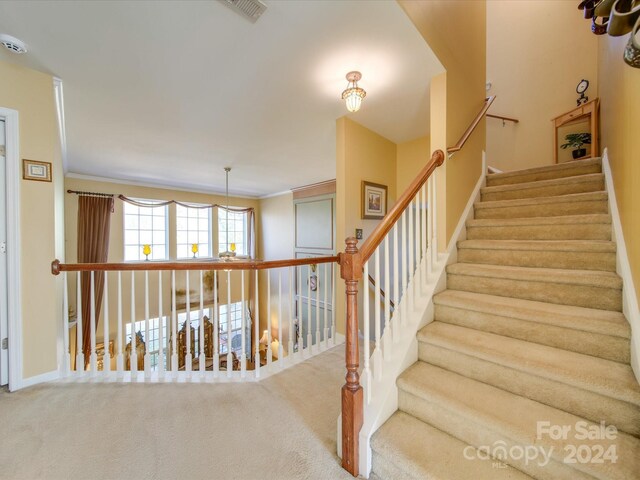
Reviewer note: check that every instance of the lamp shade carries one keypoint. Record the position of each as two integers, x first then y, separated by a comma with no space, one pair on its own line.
265,338
353,94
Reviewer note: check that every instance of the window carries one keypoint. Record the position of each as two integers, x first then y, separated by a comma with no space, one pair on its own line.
193,225
153,343
145,226
237,231
236,327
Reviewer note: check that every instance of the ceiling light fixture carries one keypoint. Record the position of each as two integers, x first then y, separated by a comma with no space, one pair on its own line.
353,95
12,44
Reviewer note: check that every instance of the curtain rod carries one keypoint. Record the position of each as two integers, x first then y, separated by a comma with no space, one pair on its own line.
95,194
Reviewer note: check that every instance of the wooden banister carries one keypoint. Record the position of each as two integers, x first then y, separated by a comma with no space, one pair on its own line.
371,243
373,282
465,136
503,118
57,267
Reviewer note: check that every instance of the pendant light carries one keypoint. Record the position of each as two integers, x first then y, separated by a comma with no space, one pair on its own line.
227,254
353,94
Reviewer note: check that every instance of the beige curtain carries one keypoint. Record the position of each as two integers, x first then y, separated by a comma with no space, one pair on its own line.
94,223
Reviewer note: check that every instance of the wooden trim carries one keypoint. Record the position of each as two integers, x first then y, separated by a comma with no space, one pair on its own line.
465,136
503,118
387,223
315,189
57,267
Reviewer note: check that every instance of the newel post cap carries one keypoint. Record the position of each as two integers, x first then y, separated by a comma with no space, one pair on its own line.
55,267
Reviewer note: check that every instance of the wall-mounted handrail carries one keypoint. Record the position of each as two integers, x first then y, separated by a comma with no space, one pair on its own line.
503,118
373,283
465,136
373,241
57,267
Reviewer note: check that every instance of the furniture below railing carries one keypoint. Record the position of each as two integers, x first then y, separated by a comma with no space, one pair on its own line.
201,320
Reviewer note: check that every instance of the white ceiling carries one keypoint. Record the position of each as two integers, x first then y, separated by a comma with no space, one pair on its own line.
169,93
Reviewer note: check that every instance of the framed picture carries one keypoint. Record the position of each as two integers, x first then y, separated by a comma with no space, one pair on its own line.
34,170
374,200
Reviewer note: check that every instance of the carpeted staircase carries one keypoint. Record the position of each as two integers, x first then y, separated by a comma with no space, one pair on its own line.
529,330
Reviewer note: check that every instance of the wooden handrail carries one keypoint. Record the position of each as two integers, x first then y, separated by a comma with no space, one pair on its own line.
373,282
465,136
503,118
57,267
371,243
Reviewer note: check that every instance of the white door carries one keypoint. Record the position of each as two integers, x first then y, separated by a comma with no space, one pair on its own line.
4,352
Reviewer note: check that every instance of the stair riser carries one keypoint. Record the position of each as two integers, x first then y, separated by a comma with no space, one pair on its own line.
544,210
478,432
595,344
547,191
584,403
594,231
605,261
535,177
562,294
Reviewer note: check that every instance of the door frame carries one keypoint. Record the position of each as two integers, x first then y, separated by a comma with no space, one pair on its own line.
14,288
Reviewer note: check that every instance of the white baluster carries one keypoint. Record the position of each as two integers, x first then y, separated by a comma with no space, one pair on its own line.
66,358
396,286
423,234
410,268
243,354
388,334
93,358
317,339
325,339
216,327
429,208
309,327
268,352
188,357
256,329
291,313
174,324
120,346
161,333
147,355
404,253
133,359
333,305
79,345
300,338
366,370
434,239
280,348
418,233
202,359
106,358
229,354
377,352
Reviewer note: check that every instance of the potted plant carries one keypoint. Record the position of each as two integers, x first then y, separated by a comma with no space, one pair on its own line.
576,141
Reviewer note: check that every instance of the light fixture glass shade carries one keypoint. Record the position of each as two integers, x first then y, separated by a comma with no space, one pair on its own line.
353,94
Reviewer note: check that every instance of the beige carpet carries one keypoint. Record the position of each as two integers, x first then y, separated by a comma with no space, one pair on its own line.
281,428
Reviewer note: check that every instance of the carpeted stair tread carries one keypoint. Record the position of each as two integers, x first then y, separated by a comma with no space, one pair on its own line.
481,414
556,200
540,188
607,378
407,448
568,169
591,320
551,275
601,246
595,218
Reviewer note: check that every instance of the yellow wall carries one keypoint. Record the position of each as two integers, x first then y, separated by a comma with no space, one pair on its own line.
31,94
360,155
620,116
456,32
411,157
537,52
276,218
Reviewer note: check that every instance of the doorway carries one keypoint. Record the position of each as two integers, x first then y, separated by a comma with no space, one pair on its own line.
4,337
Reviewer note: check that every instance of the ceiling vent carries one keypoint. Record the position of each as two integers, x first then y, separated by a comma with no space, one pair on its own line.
12,44
249,9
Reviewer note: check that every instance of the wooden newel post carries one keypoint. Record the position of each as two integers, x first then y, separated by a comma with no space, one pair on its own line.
351,271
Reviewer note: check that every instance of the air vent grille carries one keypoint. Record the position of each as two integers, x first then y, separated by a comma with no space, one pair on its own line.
249,9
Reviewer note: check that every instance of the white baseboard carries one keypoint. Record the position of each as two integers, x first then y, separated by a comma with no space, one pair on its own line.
42,378
623,268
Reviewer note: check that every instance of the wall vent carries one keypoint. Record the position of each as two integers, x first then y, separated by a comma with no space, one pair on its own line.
249,9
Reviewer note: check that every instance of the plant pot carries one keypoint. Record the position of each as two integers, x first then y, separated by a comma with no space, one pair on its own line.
579,152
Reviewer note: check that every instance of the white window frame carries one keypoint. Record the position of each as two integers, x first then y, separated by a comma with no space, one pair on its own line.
210,226
222,217
166,231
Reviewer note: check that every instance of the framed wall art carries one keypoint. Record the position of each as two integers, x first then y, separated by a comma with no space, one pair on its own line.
374,200
34,170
